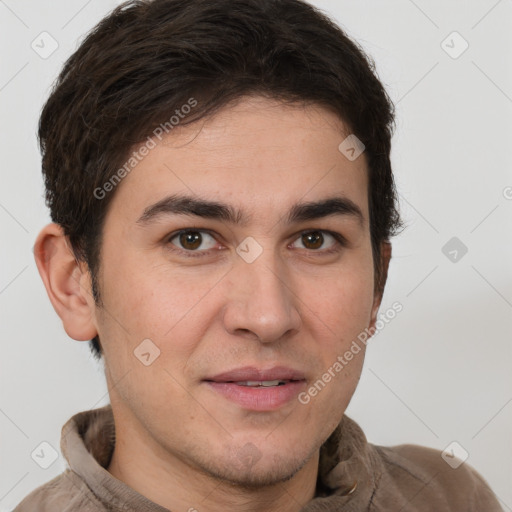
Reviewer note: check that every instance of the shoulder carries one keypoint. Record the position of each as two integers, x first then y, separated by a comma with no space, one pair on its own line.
428,482
65,493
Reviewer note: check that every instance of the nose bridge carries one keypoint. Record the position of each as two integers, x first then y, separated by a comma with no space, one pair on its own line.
267,277
262,299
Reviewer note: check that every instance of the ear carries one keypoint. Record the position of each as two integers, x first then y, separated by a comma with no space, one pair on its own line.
385,257
67,283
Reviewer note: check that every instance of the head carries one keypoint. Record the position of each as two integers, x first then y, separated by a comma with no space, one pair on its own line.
161,123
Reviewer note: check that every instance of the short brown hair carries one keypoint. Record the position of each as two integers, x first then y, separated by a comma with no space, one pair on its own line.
149,57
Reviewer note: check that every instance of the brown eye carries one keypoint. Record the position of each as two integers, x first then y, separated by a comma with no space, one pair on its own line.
313,240
191,240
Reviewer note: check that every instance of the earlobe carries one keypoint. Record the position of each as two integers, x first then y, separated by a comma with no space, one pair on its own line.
67,283
385,258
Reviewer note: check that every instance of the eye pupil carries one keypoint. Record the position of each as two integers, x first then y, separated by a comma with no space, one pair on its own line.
190,239
314,239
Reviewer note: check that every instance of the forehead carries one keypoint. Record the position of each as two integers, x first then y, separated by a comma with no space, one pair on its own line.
257,154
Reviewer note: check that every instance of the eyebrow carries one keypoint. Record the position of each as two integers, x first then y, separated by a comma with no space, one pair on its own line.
299,212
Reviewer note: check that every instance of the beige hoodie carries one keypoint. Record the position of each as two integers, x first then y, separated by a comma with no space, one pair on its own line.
354,476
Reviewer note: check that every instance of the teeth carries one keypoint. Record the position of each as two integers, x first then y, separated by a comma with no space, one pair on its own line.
260,383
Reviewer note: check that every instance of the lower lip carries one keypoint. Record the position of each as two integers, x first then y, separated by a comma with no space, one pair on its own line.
259,398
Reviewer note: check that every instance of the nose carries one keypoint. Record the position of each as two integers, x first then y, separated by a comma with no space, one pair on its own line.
262,303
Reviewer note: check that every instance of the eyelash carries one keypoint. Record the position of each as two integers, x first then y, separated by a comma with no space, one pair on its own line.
340,239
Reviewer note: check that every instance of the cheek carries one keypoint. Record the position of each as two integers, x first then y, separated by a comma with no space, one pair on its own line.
344,301
154,299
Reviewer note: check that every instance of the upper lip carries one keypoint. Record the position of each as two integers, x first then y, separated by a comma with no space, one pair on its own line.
251,373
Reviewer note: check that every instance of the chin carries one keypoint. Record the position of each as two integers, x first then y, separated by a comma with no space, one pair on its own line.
248,468
261,475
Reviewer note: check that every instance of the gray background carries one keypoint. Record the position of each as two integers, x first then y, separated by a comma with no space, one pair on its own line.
440,371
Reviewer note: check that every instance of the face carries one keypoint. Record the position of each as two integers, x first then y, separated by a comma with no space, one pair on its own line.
243,302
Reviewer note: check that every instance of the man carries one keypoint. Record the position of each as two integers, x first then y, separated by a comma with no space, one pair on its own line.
219,179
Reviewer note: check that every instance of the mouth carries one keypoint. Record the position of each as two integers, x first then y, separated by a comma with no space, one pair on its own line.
258,389
262,383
